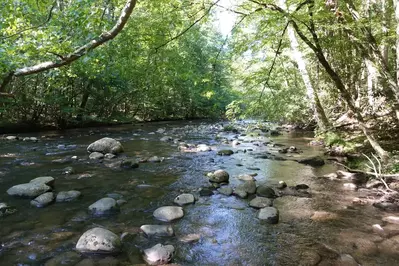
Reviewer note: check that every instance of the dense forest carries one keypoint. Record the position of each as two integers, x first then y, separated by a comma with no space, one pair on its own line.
328,64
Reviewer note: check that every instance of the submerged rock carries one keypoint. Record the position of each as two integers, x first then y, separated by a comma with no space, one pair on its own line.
157,230
246,177
99,240
226,190
28,190
168,213
6,210
106,145
248,187
269,214
43,200
64,196
159,254
225,152
184,199
313,161
104,206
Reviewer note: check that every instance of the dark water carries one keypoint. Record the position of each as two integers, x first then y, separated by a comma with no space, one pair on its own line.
230,232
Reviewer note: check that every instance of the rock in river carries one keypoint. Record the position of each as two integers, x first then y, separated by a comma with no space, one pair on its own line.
226,190
71,195
28,190
99,240
219,176
225,152
96,156
261,202
184,199
168,213
159,254
157,230
265,191
43,200
313,161
106,145
269,214
47,180
104,206
6,210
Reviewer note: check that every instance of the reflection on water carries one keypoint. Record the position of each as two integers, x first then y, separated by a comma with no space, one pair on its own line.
230,232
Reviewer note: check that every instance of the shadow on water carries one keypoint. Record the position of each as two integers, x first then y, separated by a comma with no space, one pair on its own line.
230,233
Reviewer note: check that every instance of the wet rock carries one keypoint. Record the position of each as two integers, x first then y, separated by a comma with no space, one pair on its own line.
260,202
349,186
155,159
159,254
323,216
32,139
43,200
184,199
219,176
301,186
68,258
313,161
269,214
374,183
203,148
11,138
121,202
265,191
346,260
281,185
157,230
391,219
168,213
378,230
161,130
106,145
28,190
331,176
190,238
65,196
226,190
249,187
225,152
390,246
104,206
99,240
109,156
68,170
246,177
240,192
96,156
6,210
166,138
47,180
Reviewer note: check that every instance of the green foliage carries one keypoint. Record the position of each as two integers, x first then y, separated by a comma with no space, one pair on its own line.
333,138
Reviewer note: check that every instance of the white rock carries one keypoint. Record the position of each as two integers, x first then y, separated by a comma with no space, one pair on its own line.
184,199
99,240
159,254
168,213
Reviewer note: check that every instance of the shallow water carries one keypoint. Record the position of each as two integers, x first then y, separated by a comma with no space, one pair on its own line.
230,232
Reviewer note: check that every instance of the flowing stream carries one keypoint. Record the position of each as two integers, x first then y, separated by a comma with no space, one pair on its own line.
230,232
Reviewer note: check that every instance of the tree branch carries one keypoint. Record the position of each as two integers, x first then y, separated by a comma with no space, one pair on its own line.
79,52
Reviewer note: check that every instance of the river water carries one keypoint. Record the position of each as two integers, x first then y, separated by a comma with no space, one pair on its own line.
230,233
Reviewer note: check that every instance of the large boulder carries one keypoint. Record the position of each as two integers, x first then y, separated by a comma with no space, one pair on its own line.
99,240
64,196
159,254
157,230
30,190
184,199
106,145
168,213
43,200
265,191
219,176
269,214
104,206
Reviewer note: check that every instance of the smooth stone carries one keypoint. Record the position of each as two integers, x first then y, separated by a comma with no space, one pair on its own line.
96,156
28,190
157,230
47,180
106,145
104,206
261,202
155,159
190,238
184,199
129,163
68,170
99,240
166,139
11,138
168,213
390,246
226,190
206,192
203,148
346,260
281,185
64,196
121,202
378,230
246,177
43,200
265,191
241,193
248,186
225,152
219,176
269,214
109,156
301,186
159,254
313,161
349,186
391,219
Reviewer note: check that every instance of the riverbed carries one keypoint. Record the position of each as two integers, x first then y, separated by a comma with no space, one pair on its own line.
228,230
